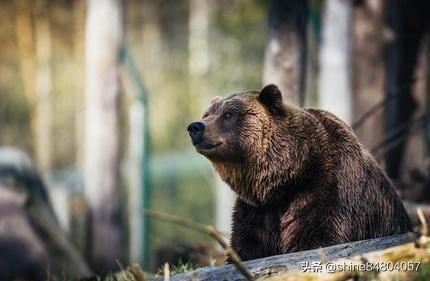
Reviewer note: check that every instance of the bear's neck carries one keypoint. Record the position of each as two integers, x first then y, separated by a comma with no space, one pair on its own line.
288,162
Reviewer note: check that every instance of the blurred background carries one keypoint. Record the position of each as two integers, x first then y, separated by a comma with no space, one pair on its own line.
95,98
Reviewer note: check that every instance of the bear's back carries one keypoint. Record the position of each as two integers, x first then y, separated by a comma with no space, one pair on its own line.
365,192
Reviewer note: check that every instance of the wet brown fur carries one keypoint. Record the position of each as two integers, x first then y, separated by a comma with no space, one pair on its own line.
302,178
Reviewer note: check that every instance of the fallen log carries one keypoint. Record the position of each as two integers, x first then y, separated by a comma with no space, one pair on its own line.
410,261
266,267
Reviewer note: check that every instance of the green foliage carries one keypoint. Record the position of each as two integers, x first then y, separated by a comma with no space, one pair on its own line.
423,273
182,186
14,119
238,36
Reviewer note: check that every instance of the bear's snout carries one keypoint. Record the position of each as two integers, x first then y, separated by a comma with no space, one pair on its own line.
196,130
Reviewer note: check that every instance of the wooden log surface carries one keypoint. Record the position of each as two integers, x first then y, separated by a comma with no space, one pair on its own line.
272,265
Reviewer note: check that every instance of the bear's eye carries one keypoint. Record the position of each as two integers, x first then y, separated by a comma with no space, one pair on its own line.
227,115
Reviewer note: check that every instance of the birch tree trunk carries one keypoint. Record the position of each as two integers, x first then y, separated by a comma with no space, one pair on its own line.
78,53
136,159
334,82
43,88
286,51
198,45
104,34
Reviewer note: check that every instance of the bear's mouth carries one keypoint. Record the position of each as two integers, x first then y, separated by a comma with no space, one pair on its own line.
205,146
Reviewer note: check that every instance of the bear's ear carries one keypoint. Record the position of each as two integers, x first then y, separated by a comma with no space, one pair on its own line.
215,99
271,97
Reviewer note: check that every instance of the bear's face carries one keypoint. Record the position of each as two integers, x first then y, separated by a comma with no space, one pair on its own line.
233,127
247,138
218,134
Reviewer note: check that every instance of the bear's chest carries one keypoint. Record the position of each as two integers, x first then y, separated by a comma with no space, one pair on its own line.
266,228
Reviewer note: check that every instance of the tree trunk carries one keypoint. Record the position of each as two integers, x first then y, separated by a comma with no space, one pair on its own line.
198,45
78,52
106,236
415,176
36,74
334,82
286,51
43,112
25,42
427,126
136,174
407,19
368,71
198,49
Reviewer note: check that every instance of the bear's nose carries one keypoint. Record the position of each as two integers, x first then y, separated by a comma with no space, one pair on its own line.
196,127
196,130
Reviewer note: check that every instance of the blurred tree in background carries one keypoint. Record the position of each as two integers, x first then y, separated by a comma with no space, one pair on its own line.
187,53
66,94
287,48
106,223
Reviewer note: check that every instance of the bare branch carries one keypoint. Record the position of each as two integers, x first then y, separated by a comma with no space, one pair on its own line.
209,230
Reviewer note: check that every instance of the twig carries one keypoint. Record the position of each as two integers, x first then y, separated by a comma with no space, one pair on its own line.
403,128
124,275
422,218
166,272
386,148
209,230
137,272
373,109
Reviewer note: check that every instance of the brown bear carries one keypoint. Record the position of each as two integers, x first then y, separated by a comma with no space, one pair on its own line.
302,179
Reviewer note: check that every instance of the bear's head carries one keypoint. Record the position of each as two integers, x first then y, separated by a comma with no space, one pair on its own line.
254,142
